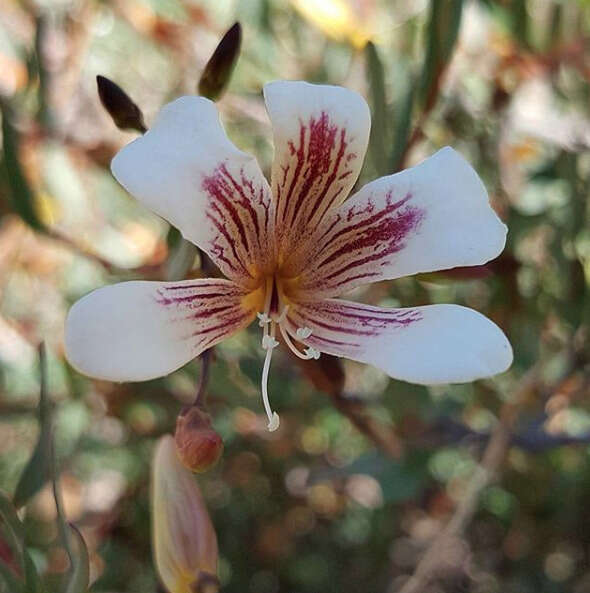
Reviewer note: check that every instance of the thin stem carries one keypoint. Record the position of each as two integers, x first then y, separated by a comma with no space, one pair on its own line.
203,378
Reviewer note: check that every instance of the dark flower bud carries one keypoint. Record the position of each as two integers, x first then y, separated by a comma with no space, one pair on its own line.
219,68
199,447
125,113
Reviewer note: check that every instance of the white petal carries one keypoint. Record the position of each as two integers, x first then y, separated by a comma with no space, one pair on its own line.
431,217
136,331
426,345
186,170
320,137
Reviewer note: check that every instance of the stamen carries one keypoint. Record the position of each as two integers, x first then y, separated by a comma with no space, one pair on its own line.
303,333
312,353
304,356
263,319
269,343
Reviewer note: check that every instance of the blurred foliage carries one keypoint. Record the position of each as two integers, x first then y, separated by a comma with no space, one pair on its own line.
315,506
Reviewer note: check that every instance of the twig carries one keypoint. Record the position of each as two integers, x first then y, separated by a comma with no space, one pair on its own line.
203,378
484,474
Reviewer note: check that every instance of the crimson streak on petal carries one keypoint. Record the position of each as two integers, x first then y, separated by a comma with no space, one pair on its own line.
239,213
207,311
314,178
354,242
344,328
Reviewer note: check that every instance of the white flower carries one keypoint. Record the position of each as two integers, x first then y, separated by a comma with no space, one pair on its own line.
288,249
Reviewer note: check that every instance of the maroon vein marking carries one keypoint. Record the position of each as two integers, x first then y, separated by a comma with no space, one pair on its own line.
244,201
232,244
215,185
198,285
227,323
390,208
316,171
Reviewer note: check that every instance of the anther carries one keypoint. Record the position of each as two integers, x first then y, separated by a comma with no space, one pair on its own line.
269,342
263,319
312,353
303,333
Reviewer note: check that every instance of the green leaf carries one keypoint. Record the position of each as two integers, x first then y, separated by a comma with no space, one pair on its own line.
38,469
403,124
15,530
379,126
79,577
23,199
33,583
181,260
442,31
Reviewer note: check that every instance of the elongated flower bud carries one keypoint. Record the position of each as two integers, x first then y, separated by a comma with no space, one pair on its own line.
220,66
125,113
199,447
184,540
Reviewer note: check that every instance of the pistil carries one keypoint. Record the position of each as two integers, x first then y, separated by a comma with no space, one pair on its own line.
272,316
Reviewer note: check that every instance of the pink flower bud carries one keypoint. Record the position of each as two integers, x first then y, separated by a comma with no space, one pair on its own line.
199,447
184,540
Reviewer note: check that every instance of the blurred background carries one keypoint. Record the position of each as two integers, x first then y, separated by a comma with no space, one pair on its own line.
366,473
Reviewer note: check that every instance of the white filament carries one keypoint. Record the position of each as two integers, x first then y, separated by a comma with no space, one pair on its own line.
269,343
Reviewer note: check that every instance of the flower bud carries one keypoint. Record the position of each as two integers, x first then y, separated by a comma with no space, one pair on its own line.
199,447
125,113
185,544
220,66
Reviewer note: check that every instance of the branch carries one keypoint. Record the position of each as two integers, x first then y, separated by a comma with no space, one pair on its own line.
484,474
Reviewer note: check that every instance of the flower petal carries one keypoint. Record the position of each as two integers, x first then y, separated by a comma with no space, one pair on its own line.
187,171
426,345
320,139
431,217
134,331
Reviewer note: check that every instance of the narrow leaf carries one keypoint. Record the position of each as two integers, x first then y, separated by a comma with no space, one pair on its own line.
181,260
33,583
79,578
402,123
442,31
23,199
379,126
221,64
38,469
16,533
